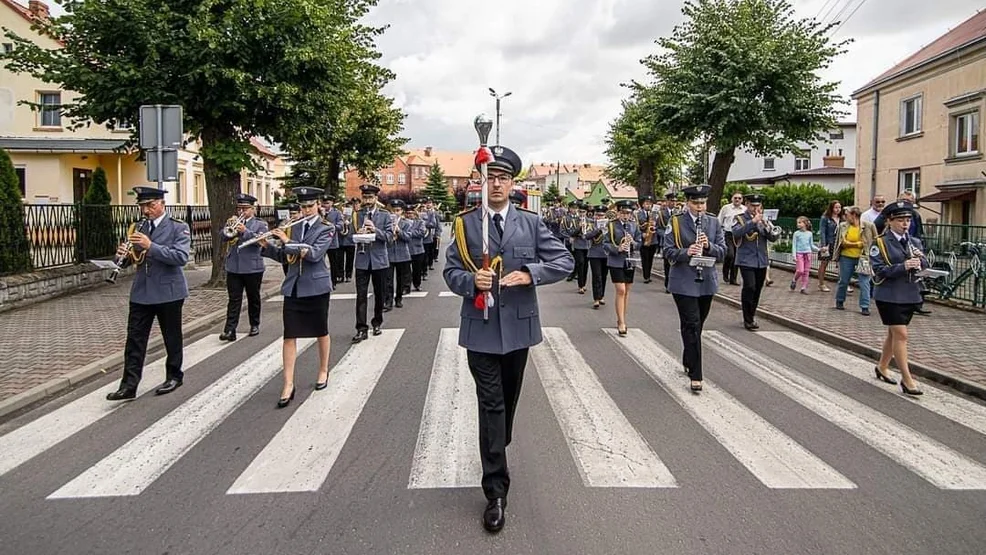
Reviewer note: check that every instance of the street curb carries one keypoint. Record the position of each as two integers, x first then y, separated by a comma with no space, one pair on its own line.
111,362
960,384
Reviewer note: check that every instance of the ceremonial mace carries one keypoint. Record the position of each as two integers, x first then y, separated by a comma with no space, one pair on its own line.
484,125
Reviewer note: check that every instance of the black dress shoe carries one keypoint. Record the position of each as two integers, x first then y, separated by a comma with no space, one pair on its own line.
228,335
360,336
749,325
922,312
167,387
376,330
254,330
122,394
399,304
495,516
387,308
283,402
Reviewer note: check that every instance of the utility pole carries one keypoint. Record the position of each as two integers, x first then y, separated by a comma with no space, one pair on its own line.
498,97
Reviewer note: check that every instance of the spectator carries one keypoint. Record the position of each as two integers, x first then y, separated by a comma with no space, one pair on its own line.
802,245
827,227
876,206
853,239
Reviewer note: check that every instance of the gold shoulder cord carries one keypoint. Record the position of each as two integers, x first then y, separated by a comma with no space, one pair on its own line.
752,236
292,258
136,257
886,257
462,245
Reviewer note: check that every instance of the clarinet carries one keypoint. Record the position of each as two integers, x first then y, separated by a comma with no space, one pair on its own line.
912,252
627,264
699,276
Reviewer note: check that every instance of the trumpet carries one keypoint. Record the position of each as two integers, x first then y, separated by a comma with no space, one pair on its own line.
138,226
229,230
267,235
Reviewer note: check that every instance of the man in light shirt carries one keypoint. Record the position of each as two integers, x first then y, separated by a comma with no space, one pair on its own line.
727,216
876,206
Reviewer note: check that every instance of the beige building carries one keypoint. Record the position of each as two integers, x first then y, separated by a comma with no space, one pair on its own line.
54,163
920,127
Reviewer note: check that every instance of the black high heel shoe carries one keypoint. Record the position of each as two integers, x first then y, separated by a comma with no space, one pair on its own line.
319,386
909,391
621,331
281,403
882,378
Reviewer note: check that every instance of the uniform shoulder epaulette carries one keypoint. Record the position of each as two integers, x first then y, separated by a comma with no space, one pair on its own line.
527,210
178,220
467,210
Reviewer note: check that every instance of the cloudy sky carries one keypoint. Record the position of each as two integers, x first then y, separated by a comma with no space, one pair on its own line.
564,60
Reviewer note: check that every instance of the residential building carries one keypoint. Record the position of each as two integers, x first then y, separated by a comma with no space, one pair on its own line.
55,163
811,163
409,171
594,193
920,127
568,177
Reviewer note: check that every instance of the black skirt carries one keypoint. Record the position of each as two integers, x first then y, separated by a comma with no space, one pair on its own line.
896,314
621,275
306,316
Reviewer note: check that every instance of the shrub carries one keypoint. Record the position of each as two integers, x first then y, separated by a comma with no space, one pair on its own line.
15,252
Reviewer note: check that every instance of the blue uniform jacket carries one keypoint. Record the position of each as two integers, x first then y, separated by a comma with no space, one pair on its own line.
891,281
527,244
160,277
308,274
613,236
681,278
418,231
751,239
334,217
375,256
247,260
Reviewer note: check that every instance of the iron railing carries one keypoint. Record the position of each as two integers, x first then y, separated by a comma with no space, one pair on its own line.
941,242
64,234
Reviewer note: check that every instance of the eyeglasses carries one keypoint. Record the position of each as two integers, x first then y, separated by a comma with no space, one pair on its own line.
499,178
879,202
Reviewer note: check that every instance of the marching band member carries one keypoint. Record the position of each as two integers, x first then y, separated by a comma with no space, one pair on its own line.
647,222
416,246
347,248
663,218
727,216
372,262
244,268
692,287
597,255
400,255
578,227
334,254
622,238
751,234
160,250
524,255
895,257
306,287
433,228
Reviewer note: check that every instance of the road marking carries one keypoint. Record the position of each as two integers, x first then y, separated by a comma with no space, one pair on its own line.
607,448
36,437
416,295
953,407
447,294
773,457
920,454
136,465
447,451
302,453
332,297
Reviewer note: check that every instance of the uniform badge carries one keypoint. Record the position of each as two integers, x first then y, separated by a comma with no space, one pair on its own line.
667,230
874,250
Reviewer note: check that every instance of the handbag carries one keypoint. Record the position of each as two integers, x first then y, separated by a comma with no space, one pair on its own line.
863,267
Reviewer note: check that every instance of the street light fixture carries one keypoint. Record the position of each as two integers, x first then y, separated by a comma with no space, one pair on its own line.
498,97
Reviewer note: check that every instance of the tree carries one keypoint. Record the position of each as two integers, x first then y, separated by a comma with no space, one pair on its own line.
437,187
552,195
98,235
240,68
743,74
640,153
15,252
695,170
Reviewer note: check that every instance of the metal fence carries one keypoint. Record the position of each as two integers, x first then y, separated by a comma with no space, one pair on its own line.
61,234
942,242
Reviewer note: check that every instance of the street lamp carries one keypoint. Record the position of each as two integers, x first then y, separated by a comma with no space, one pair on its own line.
498,97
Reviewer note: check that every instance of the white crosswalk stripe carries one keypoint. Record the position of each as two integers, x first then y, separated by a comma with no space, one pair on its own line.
132,468
301,455
332,297
447,452
36,437
770,455
447,294
607,448
933,461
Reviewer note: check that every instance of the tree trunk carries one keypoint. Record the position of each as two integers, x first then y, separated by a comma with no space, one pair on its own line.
222,188
334,188
645,177
717,177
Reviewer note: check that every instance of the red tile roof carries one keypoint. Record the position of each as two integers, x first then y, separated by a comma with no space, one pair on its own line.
262,148
968,32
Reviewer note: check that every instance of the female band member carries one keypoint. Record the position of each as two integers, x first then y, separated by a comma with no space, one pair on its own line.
622,238
306,287
895,258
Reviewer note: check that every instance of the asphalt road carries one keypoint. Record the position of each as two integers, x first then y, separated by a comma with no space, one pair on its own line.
784,452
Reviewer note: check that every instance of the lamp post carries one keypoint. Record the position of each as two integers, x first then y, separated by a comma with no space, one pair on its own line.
498,97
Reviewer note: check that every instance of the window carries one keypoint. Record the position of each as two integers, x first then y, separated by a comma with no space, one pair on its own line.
401,179
909,179
51,113
8,47
455,182
802,160
835,135
390,179
768,164
910,116
198,189
22,180
966,134
180,187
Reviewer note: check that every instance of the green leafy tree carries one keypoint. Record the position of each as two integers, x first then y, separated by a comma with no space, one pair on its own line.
697,160
98,236
15,253
743,74
640,153
276,69
436,187
551,195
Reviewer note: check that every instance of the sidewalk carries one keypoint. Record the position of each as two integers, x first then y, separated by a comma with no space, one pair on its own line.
51,345
946,346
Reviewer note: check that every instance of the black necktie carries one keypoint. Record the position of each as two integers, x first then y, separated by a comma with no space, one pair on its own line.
304,231
498,223
906,244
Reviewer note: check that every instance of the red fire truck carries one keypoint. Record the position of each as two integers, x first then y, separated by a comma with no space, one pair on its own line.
474,194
